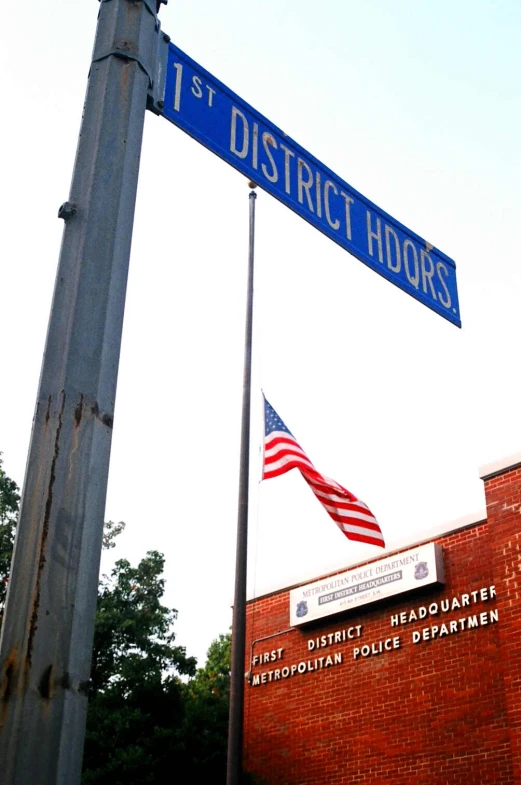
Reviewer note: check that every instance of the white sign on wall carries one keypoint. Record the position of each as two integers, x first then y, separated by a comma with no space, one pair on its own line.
421,566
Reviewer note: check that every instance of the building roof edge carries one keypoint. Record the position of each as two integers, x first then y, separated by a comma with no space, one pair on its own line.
500,466
466,522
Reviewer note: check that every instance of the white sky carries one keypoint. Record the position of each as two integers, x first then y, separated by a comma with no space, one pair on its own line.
416,105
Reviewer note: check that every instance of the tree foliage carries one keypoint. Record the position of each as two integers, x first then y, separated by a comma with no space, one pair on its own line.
206,717
9,504
151,711
111,530
135,718
133,638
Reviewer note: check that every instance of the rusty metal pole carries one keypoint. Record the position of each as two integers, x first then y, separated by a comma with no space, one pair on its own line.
45,649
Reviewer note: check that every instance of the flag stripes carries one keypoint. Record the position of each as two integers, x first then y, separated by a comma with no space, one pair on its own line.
283,453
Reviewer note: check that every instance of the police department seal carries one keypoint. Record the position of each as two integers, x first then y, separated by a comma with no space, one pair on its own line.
421,570
302,609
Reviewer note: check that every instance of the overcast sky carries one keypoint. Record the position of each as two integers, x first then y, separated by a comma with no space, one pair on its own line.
416,105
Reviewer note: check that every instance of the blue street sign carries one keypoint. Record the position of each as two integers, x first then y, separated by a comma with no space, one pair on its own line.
217,118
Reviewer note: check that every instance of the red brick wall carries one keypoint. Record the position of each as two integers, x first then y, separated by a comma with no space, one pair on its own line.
439,712
503,494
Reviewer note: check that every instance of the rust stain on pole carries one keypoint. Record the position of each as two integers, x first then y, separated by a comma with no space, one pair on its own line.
104,417
78,411
48,412
46,685
6,685
33,622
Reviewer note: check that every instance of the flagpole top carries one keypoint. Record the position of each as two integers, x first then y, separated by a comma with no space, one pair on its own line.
251,184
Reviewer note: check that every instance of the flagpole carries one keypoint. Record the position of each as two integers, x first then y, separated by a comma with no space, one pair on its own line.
235,729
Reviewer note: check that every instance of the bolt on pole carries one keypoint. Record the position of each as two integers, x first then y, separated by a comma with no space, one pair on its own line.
45,649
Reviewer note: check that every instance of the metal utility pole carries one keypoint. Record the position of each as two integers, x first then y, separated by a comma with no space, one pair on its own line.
235,729
45,650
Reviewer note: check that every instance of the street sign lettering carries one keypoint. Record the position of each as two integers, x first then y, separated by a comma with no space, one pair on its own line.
216,117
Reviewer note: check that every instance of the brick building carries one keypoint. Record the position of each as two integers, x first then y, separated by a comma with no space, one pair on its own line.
405,669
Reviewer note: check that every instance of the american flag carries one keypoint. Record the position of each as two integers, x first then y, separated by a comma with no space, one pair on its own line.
282,453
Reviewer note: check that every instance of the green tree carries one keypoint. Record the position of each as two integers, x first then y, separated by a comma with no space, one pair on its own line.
9,508
111,530
150,710
207,700
207,706
135,719
9,505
